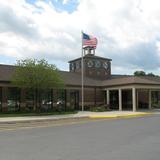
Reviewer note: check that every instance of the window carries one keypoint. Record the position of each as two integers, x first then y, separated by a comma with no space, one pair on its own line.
74,100
72,66
78,65
46,100
61,100
13,99
29,99
155,99
105,65
97,64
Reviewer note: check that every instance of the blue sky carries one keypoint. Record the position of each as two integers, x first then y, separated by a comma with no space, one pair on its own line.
60,5
127,31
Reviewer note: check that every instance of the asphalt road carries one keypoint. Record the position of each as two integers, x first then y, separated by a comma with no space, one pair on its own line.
116,139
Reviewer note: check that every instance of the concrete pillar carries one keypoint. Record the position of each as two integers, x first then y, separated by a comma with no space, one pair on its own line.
150,100
108,98
134,99
120,99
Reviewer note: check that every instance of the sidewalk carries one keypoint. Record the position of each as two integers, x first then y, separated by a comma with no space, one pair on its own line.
85,114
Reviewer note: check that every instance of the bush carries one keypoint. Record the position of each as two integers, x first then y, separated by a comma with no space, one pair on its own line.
87,108
99,108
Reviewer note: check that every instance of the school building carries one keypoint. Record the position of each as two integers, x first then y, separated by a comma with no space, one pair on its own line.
101,87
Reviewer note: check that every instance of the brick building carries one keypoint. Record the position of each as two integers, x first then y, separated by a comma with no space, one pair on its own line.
120,92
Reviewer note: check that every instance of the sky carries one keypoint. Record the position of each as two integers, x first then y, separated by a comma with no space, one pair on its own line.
128,31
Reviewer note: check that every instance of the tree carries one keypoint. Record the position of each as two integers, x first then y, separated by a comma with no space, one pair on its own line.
36,75
142,73
139,73
151,74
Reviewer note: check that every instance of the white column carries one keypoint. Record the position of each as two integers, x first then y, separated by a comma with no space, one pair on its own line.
120,99
134,99
108,98
150,100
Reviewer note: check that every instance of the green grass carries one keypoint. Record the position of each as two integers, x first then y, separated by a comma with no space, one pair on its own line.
24,114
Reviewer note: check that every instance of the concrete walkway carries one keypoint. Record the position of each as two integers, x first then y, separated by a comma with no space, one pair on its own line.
85,114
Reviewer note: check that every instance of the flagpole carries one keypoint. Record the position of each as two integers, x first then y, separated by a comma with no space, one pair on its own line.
82,66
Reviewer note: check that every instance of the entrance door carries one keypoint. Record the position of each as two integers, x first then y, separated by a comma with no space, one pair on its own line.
143,99
114,102
127,99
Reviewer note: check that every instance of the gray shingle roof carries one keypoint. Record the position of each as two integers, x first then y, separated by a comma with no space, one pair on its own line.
131,80
71,78
6,72
74,79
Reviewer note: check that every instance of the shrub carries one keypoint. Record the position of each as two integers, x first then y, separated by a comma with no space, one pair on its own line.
102,108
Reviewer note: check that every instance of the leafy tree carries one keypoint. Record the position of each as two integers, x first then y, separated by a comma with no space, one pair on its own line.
36,75
139,73
151,74
142,73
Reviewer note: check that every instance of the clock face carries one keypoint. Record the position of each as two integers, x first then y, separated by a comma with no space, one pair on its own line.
97,64
90,63
105,65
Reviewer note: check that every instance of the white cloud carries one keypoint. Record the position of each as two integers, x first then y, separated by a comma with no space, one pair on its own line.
121,26
65,1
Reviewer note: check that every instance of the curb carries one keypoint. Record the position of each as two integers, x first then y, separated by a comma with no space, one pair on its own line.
119,116
42,120
76,118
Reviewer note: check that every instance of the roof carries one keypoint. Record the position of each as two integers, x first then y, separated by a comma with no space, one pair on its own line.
74,79
130,79
6,72
71,78
90,56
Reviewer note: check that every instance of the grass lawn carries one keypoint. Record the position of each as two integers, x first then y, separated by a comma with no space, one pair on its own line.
22,114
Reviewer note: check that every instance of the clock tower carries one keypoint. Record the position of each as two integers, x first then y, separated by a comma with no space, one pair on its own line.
94,66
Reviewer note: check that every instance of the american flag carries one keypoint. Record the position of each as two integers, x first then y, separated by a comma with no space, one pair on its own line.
89,41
